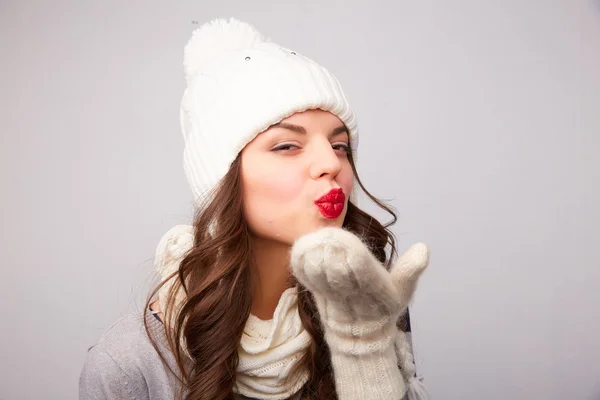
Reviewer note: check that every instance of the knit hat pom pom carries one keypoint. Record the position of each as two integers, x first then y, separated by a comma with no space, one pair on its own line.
214,39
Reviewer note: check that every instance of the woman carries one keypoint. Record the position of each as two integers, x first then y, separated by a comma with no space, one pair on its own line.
282,288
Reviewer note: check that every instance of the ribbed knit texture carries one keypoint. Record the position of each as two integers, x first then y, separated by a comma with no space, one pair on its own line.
359,302
238,84
170,250
347,283
269,350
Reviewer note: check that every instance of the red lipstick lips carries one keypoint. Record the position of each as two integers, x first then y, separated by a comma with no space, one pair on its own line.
332,203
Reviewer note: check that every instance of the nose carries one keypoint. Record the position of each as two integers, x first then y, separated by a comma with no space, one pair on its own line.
324,161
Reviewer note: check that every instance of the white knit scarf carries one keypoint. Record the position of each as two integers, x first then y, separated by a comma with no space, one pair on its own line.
270,349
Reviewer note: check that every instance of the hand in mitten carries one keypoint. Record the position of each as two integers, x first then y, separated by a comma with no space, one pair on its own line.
359,302
171,249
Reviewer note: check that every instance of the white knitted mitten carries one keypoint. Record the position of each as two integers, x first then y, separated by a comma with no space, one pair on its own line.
171,249
359,302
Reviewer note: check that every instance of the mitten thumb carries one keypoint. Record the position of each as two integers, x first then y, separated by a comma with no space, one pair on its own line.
407,270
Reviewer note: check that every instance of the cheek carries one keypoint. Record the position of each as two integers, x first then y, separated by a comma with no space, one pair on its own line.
346,179
271,198
274,186
278,199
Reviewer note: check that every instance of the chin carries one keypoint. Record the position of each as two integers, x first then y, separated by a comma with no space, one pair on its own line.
335,222
328,223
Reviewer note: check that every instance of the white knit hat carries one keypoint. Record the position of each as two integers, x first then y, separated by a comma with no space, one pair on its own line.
239,83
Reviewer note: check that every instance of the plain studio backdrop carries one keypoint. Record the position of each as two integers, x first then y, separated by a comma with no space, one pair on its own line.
479,122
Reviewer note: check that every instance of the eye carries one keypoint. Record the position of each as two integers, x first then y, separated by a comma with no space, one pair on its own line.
342,147
285,147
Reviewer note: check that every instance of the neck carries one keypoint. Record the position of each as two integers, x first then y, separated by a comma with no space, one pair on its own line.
270,275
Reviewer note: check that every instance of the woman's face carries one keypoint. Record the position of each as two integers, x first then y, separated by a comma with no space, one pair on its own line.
286,171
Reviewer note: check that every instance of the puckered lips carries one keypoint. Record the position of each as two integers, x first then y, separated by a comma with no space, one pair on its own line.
331,204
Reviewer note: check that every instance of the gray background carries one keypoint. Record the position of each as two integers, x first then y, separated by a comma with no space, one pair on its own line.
479,121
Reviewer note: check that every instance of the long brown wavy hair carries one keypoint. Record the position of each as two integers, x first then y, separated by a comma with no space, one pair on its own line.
215,276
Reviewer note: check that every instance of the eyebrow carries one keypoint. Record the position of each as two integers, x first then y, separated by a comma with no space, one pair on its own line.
302,130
